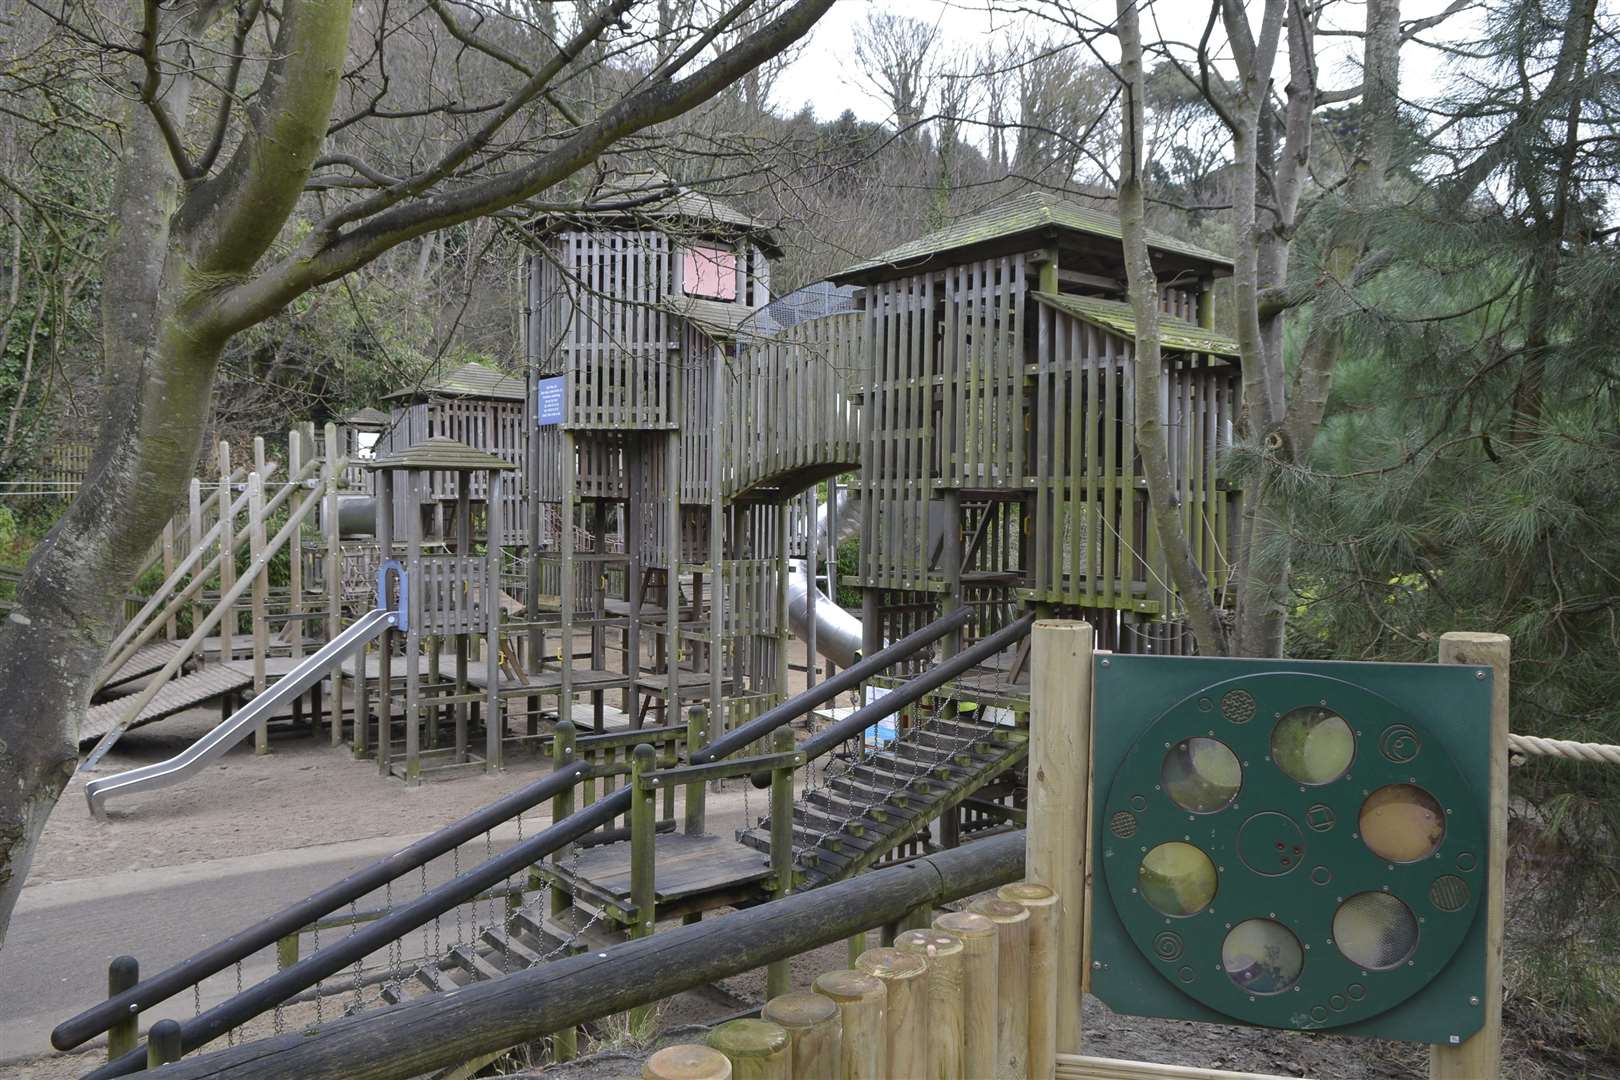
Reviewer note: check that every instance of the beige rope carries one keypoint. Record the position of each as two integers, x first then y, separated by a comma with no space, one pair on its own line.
1563,748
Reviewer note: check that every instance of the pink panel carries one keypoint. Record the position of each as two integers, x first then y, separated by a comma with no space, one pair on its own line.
709,272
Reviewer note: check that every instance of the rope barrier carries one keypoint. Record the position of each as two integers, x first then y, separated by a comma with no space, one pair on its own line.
1601,753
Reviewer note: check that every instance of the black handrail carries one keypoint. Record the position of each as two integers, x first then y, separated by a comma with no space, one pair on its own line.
797,706
906,693
238,1010
148,992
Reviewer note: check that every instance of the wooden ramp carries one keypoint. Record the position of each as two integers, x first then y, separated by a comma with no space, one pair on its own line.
177,695
147,660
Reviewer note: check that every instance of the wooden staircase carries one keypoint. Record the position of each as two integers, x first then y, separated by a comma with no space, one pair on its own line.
888,798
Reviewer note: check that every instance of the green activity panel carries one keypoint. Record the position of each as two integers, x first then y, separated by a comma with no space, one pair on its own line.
1292,844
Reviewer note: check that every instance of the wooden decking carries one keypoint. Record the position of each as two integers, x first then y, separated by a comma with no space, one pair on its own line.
691,873
177,695
149,658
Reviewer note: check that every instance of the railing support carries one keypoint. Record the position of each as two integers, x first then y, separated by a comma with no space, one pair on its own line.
643,858
697,728
779,976
123,973
565,1043
163,1044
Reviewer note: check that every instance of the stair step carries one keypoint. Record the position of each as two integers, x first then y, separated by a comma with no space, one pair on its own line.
508,945
435,979
846,818
469,960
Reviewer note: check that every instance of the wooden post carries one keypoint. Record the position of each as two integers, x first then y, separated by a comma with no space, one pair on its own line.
494,719
163,1043
1042,905
334,602
227,554
565,1043
194,513
287,951
1481,1053
861,1001
385,643
687,1062
979,974
643,857
944,954
757,1049
815,1033
1012,985
1059,800
697,736
167,541
123,973
905,976
260,599
779,976
295,561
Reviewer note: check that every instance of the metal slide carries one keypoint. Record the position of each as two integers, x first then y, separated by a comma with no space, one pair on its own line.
234,728
838,633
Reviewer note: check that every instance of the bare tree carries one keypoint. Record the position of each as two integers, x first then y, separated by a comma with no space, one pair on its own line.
896,55
237,121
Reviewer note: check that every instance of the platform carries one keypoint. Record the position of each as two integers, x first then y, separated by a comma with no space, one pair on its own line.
690,874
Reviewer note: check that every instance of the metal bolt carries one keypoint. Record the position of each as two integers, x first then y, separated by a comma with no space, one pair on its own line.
1096,965
1473,1001
1478,674
1107,662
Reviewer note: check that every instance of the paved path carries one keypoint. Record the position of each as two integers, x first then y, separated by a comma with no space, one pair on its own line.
63,934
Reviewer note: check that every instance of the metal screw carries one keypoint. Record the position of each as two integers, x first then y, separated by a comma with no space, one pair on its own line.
1473,1001
1478,674
1107,662
1096,965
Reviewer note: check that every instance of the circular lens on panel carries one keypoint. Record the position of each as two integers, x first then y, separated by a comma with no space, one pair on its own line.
1313,745
1402,823
1375,930
1176,879
1262,956
1201,775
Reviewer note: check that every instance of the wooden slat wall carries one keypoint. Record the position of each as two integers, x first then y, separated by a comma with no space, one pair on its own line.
790,411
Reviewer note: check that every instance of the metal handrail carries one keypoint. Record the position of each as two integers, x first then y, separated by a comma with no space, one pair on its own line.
216,958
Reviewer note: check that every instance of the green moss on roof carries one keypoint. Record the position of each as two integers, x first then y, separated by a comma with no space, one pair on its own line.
439,452
1032,211
680,204
1118,318
471,380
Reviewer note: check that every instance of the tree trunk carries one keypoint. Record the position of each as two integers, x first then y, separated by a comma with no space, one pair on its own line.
1152,434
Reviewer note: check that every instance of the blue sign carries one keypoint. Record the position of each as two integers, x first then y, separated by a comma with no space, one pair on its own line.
548,400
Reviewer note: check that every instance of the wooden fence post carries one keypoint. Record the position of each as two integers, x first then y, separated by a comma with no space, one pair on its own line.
1042,905
643,856
259,601
227,555
1481,1053
779,976
1059,800
861,1001
815,1033
697,736
906,1022
163,1044
123,973
757,1049
565,1043
979,974
944,954
687,1062
330,480
1012,985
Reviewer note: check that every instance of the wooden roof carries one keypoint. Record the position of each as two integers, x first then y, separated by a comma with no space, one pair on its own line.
1032,212
1119,319
717,318
439,452
678,203
470,380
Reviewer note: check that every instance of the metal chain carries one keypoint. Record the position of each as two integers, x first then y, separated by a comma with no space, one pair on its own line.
315,946
354,914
